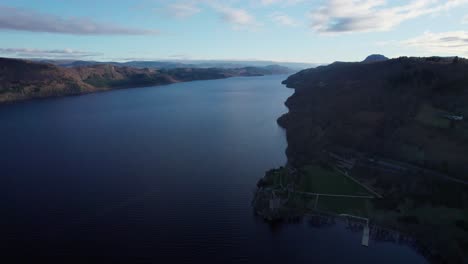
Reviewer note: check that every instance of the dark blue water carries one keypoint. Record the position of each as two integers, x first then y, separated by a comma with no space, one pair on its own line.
157,175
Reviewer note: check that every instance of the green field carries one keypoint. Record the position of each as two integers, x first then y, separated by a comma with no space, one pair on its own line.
323,180
317,179
342,205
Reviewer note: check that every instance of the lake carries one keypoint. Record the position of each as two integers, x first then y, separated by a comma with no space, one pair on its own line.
158,175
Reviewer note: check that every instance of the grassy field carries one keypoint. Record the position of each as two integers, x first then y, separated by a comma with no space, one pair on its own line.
339,205
430,116
323,180
317,179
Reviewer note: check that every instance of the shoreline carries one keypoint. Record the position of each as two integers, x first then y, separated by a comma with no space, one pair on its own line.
116,88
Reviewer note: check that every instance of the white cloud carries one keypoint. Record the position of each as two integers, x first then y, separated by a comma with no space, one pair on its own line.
183,10
344,16
283,19
283,2
12,18
42,53
445,43
237,17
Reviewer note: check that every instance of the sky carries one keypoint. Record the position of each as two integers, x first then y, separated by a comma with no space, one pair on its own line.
312,31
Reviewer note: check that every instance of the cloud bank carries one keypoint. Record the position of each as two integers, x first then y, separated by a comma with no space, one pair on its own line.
346,16
12,18
445,43
42,53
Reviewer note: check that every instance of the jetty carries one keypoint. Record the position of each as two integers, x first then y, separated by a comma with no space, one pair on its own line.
366,230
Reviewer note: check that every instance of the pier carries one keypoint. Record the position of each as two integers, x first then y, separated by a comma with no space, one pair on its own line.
366,230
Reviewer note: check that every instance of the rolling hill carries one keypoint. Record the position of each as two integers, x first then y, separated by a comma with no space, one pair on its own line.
22,79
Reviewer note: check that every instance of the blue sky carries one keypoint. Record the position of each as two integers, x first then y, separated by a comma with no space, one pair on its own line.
315,31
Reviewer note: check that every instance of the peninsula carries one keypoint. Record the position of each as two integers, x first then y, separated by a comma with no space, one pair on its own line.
382,139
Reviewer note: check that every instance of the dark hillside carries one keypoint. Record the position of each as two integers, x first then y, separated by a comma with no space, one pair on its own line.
397,108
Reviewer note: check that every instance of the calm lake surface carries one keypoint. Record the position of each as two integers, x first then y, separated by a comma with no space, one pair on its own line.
158,175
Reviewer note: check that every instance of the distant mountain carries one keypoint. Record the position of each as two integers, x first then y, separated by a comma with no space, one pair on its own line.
239,64
21,79
182,64
135,64
375,58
